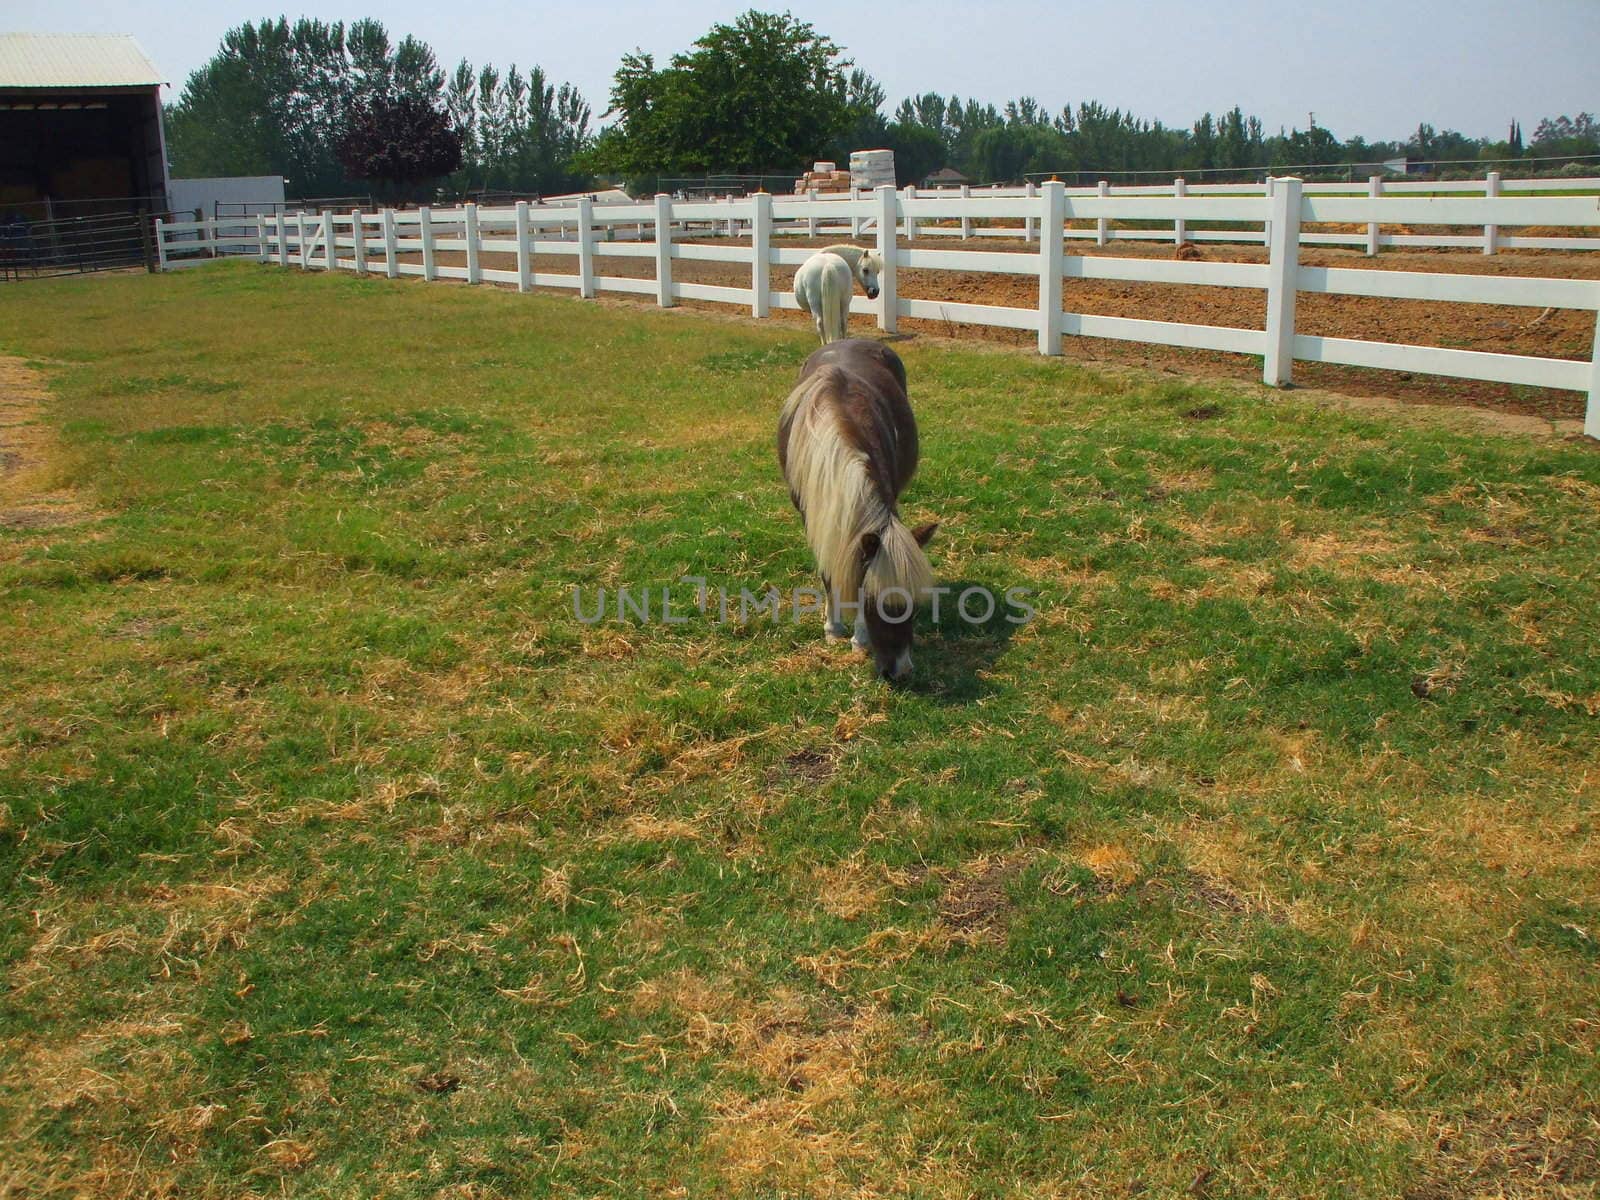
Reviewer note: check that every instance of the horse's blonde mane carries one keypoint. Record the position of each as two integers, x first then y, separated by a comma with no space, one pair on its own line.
842,504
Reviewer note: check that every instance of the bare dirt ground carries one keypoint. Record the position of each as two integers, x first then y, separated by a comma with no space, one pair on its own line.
1559,333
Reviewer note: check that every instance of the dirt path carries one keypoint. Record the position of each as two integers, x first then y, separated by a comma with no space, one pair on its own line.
29,496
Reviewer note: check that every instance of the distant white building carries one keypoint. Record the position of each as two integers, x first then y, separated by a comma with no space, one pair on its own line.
80,126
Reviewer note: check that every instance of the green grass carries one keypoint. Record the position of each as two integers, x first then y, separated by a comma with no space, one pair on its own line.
339,859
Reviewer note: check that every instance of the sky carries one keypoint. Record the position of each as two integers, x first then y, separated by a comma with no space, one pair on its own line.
1370,67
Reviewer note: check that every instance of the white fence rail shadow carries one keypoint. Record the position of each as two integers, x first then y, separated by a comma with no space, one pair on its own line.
591,234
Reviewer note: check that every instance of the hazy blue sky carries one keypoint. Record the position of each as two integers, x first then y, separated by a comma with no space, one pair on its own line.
1373,67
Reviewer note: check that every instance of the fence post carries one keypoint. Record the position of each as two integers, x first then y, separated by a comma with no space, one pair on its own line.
811,221
305,250
430,265
1591,414
1266,231
911,222
586,286
1491,233
855,218
966,220
1283,266
358,234
474,267
147,244
524,250
1374,189
888,227
761,256
1180,227
664,250
1032,190
1102,227
161,243
1052,257
263,250
327,240
391,245
283,240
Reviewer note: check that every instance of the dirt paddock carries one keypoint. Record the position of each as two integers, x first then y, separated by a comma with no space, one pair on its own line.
1558,333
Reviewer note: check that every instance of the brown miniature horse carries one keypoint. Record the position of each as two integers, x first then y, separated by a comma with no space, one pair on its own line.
847,443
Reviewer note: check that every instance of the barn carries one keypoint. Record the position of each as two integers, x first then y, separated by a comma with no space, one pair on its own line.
80,126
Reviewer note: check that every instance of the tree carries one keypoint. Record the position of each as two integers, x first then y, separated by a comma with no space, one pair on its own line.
767,91
918,151
1007,152
280,99
1566,137
275,97
398,143
866,128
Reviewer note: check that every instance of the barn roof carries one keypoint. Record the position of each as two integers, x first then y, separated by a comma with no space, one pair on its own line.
74,60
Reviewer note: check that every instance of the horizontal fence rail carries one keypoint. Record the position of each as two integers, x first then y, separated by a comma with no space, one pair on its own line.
591,236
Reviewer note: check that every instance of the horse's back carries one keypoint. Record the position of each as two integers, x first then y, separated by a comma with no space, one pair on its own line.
864,383
861,355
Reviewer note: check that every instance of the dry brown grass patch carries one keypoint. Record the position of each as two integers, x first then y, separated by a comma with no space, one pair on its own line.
975,902
1223,874
1544,1153
196,920
1343,550
802,1128
32,497
851,888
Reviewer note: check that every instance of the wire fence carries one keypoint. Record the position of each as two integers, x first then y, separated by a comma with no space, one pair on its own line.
78,245
700,187
1349,172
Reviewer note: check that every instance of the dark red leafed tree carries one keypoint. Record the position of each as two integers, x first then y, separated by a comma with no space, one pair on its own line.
399,144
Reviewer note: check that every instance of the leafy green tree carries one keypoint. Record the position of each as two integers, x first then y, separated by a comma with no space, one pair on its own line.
1311,147
1566,137
1006,153
222,124
1203,143
918,151
867,129
766,91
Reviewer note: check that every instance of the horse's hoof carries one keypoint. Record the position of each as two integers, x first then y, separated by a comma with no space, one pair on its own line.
835,633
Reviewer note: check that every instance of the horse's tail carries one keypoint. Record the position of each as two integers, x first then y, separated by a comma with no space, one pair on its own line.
835,314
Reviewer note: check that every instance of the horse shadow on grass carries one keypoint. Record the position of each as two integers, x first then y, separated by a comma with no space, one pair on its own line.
955,655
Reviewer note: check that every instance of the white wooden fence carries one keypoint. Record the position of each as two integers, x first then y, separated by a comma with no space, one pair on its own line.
382,242
1372,239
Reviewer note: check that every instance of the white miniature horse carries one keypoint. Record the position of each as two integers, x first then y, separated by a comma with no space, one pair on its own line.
825,281
847,444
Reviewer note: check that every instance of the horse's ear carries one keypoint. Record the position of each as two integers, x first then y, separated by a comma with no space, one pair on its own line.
870,544
924,533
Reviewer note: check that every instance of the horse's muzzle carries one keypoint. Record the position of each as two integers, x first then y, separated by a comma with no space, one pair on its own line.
872,293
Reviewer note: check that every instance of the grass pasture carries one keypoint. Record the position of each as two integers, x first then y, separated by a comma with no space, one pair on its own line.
340,859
